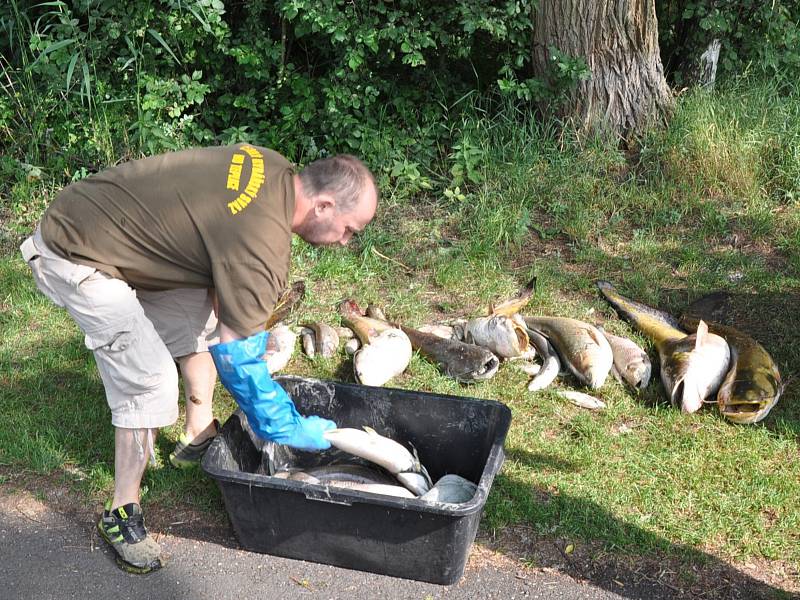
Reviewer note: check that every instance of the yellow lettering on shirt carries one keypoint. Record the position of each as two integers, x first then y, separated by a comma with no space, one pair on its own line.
257,178
235,171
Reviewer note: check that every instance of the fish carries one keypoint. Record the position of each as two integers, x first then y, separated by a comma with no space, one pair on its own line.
326,339
631,363
280,347
452,489
499,333
286,303
551,365
692,366
580,346
375,312
307,342
352,345
351,477
753,385
385,351
383,451
511,307
443,331
466,363
581,399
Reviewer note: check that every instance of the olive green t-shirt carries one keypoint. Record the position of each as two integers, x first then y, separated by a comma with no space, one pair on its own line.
208,217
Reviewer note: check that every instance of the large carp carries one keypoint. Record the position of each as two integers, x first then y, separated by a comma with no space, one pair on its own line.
581,347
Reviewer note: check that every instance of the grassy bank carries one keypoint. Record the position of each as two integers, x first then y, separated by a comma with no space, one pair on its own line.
709,204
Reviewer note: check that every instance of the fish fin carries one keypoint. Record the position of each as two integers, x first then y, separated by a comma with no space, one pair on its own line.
370,430
702,333
598,337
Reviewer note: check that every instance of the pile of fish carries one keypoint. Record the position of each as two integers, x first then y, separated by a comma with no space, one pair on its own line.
714,361
393,464
699,361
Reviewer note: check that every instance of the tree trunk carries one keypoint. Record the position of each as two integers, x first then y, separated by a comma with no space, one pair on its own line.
618,39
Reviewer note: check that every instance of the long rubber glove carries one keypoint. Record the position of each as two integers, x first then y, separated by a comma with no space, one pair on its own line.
270,412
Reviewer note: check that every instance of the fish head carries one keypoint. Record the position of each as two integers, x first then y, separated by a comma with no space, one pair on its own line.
748,394
486,371
637,373
693,368
678,377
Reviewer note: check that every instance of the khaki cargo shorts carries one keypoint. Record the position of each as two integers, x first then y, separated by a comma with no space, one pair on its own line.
134,336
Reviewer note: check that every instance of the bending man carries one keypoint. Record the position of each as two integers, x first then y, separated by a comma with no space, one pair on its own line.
181,257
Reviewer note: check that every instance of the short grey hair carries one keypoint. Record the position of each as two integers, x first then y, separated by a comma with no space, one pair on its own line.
342,176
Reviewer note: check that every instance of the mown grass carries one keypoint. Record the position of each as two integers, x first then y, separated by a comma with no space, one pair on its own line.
711,203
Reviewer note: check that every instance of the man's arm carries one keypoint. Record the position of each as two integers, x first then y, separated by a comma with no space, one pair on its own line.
271,413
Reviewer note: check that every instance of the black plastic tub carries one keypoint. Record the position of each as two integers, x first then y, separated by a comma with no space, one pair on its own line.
407,538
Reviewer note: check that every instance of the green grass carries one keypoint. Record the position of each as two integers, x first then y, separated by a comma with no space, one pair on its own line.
711,203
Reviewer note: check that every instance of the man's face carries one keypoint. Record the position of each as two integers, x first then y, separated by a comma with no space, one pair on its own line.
325,226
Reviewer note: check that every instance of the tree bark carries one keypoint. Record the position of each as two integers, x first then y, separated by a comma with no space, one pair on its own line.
618,39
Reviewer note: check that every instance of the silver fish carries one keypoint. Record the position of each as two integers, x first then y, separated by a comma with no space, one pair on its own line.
631,363
581,399
350,477
280,347
383,451
452,489
580,346
551,365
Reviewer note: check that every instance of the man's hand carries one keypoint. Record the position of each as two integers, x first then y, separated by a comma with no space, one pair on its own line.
270,412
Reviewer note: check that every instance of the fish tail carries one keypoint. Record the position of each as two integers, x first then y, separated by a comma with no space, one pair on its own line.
645,317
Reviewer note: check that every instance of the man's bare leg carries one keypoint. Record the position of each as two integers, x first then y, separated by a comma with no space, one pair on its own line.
199,378
131,452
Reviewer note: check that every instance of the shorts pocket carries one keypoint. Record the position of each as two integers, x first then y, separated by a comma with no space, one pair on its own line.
129,359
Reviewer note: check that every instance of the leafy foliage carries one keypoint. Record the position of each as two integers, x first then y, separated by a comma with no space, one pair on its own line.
305,76
759,36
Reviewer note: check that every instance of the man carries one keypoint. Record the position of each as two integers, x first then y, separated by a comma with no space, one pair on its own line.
181,257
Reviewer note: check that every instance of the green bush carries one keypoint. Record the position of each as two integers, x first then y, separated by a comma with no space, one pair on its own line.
760,37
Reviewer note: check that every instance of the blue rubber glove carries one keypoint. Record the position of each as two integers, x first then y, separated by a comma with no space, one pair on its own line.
270,412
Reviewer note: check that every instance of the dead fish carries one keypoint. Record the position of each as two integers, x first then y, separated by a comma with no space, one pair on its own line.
342,477
580,346
280,347
352,345
511,307
326,340
385,452
452,489
631,363
692,366
753,384
385,352
375,312
307,341
443,331
551,365
581,399
287,302
344,333
499,333
463,362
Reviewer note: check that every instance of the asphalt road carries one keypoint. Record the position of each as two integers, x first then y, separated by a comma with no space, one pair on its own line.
47,555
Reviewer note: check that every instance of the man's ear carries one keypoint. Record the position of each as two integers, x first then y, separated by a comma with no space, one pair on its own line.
323,204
